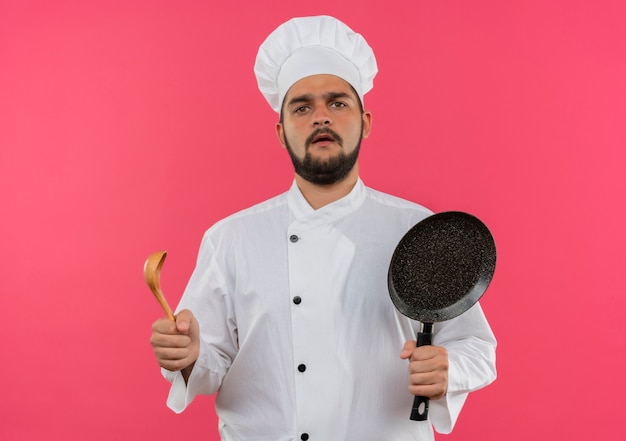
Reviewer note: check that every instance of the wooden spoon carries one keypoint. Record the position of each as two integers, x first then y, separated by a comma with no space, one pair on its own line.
152,274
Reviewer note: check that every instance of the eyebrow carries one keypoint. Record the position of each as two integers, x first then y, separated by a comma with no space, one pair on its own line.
308,97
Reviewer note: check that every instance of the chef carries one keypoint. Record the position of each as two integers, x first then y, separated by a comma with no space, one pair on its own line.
287,317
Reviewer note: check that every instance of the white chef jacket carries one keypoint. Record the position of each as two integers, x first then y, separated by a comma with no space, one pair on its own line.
298,332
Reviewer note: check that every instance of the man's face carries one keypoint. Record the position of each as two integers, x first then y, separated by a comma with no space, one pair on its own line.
322,127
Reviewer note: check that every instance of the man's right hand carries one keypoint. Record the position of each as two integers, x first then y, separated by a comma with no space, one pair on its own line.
176,344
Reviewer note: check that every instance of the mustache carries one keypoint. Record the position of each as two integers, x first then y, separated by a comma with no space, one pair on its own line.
323,131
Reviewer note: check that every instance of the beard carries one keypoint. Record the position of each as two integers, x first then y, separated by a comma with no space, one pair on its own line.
324,171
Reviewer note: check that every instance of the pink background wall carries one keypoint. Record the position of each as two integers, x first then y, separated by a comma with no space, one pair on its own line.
131,126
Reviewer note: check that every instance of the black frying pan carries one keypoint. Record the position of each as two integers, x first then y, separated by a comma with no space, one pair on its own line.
440,268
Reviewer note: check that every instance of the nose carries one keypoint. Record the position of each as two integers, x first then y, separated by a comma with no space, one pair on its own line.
321,116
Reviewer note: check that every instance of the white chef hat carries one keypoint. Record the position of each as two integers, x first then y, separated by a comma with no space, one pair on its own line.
307,46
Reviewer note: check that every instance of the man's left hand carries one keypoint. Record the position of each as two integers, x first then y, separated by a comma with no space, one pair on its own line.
428,369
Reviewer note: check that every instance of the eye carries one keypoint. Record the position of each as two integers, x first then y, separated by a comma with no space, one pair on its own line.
300,109
338,104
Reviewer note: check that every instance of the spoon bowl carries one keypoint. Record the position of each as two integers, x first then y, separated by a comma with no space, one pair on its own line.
152,274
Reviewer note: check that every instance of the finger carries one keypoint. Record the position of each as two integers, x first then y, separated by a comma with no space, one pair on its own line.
171,354
433,391
184,320
429,352
407,350
436,380
164,326
175,365
169,341
173,359
427,366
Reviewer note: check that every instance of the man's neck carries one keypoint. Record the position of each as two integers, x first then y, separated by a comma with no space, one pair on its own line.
320,195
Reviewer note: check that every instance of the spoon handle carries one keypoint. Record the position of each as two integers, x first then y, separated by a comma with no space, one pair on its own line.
161,299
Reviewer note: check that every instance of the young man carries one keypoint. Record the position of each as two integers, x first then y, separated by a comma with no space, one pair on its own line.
287,314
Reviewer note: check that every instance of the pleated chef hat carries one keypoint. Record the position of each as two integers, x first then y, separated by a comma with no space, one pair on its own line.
307,46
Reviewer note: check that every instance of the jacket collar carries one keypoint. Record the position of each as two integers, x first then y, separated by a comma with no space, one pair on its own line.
304,214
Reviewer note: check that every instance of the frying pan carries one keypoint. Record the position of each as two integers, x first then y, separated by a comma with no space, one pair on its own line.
441,267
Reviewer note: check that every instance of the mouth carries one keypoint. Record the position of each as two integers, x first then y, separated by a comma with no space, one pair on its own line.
323,137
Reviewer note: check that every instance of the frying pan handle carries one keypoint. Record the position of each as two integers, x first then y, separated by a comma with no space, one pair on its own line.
420,404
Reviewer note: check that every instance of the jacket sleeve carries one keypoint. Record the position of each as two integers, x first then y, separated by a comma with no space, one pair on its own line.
471,349
207,297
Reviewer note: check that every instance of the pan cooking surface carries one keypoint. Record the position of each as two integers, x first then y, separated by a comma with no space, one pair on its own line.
441,266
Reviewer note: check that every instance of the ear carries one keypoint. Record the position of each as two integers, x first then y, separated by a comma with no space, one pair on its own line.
367,124
280,132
